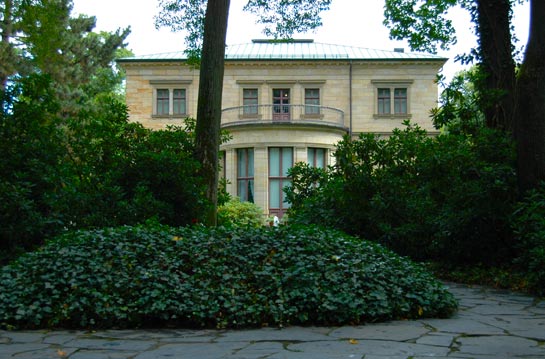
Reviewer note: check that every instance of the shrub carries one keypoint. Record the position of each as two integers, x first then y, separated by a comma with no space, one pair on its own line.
29,166
529,227
445,198
202,277
240,214
122,173
88,170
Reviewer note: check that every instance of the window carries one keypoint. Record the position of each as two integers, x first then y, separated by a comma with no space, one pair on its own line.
316,157
250,101
392,98
163,99
281,104
170,102
280,160
179,102
223,163
170,98
312,101
245,174
383,101
400,101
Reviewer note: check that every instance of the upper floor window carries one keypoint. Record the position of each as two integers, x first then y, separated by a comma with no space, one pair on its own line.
163,102
281,104
312,101
392,98
170,98
384,101
179,102
170,102
250,101
400,101
249,97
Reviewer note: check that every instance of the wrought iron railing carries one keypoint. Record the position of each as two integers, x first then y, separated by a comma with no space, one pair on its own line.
282,114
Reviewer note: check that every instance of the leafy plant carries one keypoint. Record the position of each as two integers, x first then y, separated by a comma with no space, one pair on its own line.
30,163
459,109
446,198
240,214
122,173
88,171
214,277
529,227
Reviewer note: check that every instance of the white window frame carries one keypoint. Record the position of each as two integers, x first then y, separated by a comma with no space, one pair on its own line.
392,85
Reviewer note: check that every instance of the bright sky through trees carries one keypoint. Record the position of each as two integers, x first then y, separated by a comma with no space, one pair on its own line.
349,22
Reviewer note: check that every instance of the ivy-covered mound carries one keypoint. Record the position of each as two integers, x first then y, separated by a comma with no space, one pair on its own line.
201,277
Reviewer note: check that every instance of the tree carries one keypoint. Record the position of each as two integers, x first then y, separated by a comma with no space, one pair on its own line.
30,166
425,26
530,104
509,103
281,19
207,139
39,36
30,29
459,108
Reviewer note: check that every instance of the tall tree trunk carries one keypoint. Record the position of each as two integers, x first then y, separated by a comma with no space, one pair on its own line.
207,131
530,104
497,90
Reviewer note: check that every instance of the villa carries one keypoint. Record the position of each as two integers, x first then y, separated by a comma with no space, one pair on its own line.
286,102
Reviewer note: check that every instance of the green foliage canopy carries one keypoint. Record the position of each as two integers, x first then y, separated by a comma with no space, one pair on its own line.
281,18
88,171
30,143
529,226
445,199
423,23
43,37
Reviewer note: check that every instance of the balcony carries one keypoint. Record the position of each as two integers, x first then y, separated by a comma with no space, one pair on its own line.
300,115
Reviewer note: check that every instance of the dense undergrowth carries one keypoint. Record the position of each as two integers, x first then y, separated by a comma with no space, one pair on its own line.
129,277
446,198
94,169
450,200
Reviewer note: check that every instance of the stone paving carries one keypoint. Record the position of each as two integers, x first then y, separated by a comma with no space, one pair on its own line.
489,325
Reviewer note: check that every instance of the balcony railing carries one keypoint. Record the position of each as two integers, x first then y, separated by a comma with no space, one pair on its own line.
283,114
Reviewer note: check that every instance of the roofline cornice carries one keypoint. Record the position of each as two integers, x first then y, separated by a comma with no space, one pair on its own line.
292,61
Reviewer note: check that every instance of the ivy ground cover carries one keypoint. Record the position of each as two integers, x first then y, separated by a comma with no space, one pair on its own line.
151,276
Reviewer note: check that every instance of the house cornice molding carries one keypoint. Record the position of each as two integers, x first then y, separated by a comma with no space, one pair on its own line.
286,63
170,82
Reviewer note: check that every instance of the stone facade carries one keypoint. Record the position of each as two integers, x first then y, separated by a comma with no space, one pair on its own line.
347,90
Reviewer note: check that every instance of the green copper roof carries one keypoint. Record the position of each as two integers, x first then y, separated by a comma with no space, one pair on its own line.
296,50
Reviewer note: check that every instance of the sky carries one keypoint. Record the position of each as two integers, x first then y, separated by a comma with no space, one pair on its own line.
348,22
